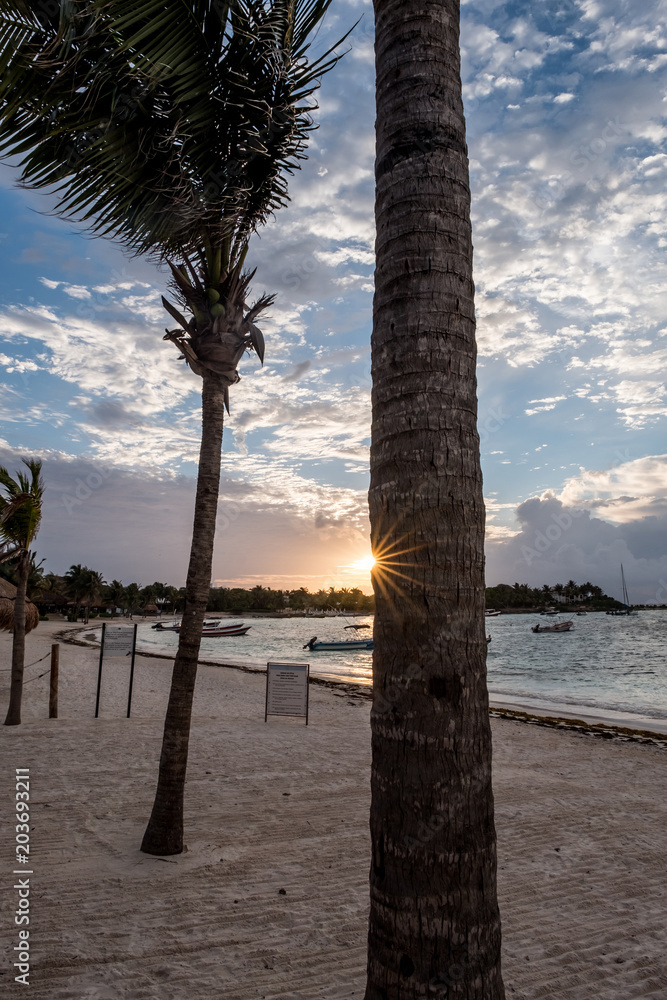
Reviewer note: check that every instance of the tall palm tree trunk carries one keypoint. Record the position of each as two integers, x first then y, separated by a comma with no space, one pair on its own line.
164,833
18,643
434,928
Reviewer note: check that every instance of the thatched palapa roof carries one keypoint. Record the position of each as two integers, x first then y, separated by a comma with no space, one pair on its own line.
7,597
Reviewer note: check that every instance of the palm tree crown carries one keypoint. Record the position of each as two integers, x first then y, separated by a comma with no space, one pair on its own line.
194,110
20,508
169,127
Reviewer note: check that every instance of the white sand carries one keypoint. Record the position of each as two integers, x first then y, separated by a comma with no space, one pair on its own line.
582,827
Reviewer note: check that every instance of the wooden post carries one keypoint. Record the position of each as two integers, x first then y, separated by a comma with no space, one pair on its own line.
53,686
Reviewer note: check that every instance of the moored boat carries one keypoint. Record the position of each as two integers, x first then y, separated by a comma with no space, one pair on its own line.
627,607
215,631
216,628
346,644
556,627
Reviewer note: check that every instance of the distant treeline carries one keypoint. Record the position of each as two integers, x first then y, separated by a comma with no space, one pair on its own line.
265,599
520,595
82,588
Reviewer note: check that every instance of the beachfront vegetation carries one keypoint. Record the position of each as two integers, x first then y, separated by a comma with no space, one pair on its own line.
82,591
521,597
20,517
434,927
172,128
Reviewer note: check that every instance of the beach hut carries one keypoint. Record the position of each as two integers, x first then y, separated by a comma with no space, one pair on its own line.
7,598
150,610
49,601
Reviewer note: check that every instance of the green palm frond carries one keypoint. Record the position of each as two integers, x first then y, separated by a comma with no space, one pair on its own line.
169,125
20,508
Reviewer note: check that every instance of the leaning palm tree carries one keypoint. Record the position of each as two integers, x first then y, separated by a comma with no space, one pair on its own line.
170,126
20,516
434,928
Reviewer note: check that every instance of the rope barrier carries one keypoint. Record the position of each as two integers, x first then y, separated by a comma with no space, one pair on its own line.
7,670
37,677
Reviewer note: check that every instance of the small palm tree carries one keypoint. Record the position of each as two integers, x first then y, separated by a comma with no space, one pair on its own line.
171,127
20,516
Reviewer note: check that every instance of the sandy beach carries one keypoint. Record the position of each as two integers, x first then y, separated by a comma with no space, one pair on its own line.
270,900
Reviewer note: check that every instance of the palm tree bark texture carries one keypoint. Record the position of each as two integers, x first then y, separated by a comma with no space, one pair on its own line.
434,927
164,833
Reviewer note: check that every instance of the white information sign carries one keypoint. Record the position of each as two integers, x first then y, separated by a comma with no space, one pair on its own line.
287,689
118,641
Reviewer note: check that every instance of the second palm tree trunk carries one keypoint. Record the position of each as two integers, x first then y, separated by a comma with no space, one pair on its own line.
164,833
13,717
434,928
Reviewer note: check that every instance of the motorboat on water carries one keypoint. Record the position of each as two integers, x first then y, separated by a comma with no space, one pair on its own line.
219,630
492,613
344,645
212,627
556,627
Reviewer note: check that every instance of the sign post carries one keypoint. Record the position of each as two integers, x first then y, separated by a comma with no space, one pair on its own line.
117,641
287,689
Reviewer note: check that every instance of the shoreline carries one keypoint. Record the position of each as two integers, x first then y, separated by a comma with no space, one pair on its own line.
584,718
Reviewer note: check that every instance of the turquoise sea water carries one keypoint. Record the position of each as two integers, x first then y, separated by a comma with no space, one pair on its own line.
603,664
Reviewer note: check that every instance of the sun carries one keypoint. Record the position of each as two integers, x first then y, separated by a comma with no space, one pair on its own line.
364,565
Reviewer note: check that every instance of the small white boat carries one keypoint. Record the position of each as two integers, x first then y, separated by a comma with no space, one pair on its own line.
556,627
214,627
491,613
214,630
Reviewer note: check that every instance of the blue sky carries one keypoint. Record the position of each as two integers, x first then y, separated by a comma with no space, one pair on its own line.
566,103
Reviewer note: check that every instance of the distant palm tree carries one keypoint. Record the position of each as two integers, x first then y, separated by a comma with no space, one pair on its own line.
170,126
20,517
132,598
94,586
115,594
434,926
76,581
